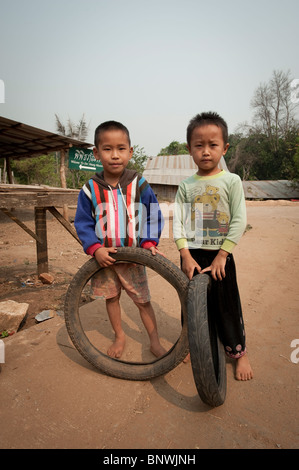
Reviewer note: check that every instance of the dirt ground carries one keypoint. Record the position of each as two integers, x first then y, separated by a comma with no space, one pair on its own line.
51,398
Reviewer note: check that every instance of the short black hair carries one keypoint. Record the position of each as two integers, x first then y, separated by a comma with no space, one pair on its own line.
204,119
108,126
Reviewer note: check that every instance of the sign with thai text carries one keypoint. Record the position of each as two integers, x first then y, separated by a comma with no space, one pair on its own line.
83,159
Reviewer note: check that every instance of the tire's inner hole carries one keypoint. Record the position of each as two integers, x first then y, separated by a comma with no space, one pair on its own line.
167,307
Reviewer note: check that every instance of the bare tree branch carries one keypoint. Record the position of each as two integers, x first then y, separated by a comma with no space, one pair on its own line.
274,110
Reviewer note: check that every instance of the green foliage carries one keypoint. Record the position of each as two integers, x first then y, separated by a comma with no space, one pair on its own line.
174,148
138,160
37,170
296,161
252,157
268,149
44,170
274,111
76,178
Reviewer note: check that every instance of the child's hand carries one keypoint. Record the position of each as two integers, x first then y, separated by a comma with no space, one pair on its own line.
188,263
217,267
154,250
102,256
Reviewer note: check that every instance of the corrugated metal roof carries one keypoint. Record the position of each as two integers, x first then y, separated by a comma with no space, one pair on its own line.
18,140
167,162
171,169
280,189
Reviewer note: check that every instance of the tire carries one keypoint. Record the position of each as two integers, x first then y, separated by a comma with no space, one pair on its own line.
206,352
116,367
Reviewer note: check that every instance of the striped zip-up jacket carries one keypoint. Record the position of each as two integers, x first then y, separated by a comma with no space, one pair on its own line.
126,215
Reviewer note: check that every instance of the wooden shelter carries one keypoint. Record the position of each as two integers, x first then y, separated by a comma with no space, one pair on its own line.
18,140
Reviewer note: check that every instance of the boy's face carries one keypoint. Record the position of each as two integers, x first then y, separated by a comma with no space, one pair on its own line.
114,152
207,147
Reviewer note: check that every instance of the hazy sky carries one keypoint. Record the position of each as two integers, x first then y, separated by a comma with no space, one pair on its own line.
152,64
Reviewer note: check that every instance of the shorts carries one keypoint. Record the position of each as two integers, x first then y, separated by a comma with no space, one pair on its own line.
131,277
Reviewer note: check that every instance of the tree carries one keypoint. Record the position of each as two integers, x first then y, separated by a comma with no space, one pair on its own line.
79,132
174,148
274,111
247,156
296,161
265,149
138,159
37,170
74,131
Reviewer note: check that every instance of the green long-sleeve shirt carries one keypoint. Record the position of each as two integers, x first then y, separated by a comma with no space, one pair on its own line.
210,212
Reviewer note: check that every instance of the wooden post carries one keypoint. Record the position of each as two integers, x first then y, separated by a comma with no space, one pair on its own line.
20,223
41,233
8,169
63,181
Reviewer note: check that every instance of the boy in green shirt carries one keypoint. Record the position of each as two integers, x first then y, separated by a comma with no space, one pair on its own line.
209,220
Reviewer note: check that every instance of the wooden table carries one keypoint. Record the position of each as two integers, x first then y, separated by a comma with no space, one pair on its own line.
42,198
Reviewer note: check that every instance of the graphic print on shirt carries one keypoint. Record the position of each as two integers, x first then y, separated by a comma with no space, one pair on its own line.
211,221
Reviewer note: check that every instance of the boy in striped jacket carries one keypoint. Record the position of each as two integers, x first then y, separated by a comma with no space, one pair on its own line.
117,207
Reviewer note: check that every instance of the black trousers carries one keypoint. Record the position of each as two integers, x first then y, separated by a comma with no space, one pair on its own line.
224,304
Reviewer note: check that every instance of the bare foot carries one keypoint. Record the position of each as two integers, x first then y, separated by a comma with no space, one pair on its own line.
116,349
157,350
243,368
187,359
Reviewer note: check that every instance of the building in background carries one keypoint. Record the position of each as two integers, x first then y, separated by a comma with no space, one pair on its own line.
165,172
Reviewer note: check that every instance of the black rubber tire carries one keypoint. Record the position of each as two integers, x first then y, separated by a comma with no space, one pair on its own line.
116,367
206,352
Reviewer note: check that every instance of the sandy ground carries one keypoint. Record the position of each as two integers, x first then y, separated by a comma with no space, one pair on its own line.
52,398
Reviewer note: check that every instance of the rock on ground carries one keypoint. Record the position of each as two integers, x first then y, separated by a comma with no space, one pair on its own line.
11,315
